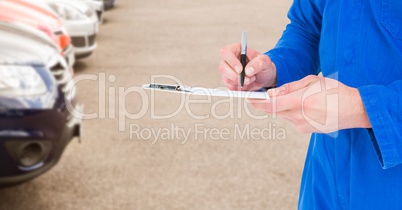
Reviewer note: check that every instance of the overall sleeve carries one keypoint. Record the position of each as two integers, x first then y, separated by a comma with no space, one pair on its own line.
383,105
296,53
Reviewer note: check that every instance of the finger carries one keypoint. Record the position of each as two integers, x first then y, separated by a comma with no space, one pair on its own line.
257,64
278,104
293,86
248,81
228,72
254,86
259,103
230,84
235,85
230,54
287,115
229,81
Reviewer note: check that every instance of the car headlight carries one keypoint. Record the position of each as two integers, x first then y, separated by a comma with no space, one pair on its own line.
20,81
66,12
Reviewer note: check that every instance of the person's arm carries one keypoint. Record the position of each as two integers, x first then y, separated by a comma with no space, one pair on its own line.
294,57
296,54
375,107
383,105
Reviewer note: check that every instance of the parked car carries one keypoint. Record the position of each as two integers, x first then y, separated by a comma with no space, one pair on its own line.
81,23
96,6
35,126
42,19
108,4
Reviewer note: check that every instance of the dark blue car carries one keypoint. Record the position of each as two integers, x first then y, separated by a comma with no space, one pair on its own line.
35,126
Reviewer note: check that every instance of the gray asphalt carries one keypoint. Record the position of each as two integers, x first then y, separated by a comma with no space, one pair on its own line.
216,166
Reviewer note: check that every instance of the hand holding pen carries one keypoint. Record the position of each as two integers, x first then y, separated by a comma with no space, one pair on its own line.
258,72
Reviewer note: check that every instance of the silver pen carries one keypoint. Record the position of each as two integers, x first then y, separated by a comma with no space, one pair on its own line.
243,57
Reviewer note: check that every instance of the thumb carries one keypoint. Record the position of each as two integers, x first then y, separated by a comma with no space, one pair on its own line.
293,86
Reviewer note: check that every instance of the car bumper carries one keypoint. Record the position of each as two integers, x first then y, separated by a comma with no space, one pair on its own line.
69,55
83,35
50,130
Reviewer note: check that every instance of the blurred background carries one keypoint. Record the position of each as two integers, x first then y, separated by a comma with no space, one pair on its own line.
121,163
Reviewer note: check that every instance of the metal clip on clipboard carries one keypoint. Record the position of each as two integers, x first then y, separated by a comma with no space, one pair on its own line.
167,87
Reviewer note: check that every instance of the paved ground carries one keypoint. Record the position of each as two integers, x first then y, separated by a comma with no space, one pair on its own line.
211,168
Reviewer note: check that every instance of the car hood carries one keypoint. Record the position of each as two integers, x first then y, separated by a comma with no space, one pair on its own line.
94,5
29,13
25,44
78,5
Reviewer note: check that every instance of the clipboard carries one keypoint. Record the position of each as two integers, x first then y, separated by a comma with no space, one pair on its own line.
207,91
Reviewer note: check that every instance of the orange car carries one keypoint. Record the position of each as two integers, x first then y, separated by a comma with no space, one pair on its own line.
42,19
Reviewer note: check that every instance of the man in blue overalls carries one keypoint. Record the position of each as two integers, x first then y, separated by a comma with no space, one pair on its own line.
354,111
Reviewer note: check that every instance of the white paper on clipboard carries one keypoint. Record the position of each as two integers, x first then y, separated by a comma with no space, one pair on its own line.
207,91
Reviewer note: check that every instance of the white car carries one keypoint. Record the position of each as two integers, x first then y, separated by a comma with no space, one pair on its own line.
29,45
81,23
41,18
96,6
